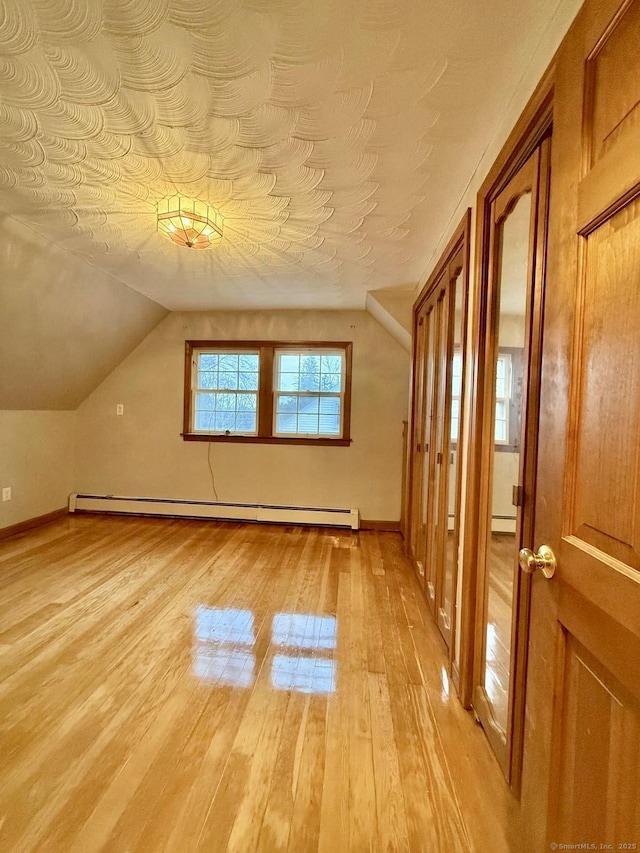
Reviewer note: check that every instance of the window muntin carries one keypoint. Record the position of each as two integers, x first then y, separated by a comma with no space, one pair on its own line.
284,392
309,390
225,392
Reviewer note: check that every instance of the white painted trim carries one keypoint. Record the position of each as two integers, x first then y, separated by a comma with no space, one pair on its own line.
331,516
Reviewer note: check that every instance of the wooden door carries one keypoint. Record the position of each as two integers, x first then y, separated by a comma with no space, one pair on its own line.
438,359
416,529
581,782
448,451
518,219
437,485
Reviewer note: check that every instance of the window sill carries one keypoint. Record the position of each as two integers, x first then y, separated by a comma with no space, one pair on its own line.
257,439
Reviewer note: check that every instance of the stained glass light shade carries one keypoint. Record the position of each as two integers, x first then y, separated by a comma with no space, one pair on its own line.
190,223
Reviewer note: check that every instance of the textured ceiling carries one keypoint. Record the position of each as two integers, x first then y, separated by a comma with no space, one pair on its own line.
335,136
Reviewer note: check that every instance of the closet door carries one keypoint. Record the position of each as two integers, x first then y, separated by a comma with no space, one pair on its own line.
434,558
449,453
426,472
511,366
416,531
439,322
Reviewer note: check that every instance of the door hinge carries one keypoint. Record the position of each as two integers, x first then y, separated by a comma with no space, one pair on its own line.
517,496
439,458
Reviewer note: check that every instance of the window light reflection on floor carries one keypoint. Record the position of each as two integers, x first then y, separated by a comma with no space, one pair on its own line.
224,640
226,667
304,631
223,643
303,674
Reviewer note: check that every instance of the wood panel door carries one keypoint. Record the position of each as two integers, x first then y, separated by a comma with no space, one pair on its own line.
511,363
581,782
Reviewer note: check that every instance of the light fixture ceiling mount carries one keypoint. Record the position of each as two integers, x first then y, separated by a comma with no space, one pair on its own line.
188,222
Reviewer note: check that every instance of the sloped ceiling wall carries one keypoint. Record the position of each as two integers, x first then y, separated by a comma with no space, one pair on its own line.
393,309
64,325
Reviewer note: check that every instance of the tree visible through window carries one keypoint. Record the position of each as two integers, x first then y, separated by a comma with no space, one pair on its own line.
226,394
266,391
309,389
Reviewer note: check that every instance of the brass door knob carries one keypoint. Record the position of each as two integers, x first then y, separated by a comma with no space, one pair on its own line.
545,560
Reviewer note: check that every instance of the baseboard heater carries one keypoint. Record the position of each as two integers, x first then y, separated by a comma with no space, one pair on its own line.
327,516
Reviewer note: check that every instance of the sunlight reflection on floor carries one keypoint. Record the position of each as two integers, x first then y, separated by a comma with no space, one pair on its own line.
224,641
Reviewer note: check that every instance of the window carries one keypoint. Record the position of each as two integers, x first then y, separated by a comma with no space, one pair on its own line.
456,388
503,397
505,423
226,392
272,392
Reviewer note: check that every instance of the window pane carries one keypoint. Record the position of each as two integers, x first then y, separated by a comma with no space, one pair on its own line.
246,422
289,382
331,363
228,380
207,379
309,405
208,361
330,405
246,402
204,420
228,361
225,402
205,401
286,424
249,381
456,385
500,410
307,423
330,424
500,387
310,364
331,382
285,403
309,381
289,363
248,363
454,429
225,420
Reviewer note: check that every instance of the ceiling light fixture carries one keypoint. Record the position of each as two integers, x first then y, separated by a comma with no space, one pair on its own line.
189,223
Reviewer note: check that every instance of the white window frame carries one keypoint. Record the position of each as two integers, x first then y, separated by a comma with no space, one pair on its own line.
505,399
196,389
340,395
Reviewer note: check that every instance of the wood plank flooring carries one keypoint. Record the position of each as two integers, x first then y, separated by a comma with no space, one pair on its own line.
185,685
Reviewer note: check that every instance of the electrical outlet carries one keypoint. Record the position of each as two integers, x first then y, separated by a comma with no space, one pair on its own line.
6,493
119,408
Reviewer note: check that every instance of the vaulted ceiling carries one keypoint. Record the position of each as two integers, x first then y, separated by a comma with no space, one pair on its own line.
334,136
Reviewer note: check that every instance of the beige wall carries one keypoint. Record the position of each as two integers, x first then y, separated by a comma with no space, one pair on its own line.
64,325
142,453
37,459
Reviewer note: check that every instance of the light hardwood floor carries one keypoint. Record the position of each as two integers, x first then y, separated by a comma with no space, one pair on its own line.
184,685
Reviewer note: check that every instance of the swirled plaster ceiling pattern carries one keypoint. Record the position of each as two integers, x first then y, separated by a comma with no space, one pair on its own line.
333,135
